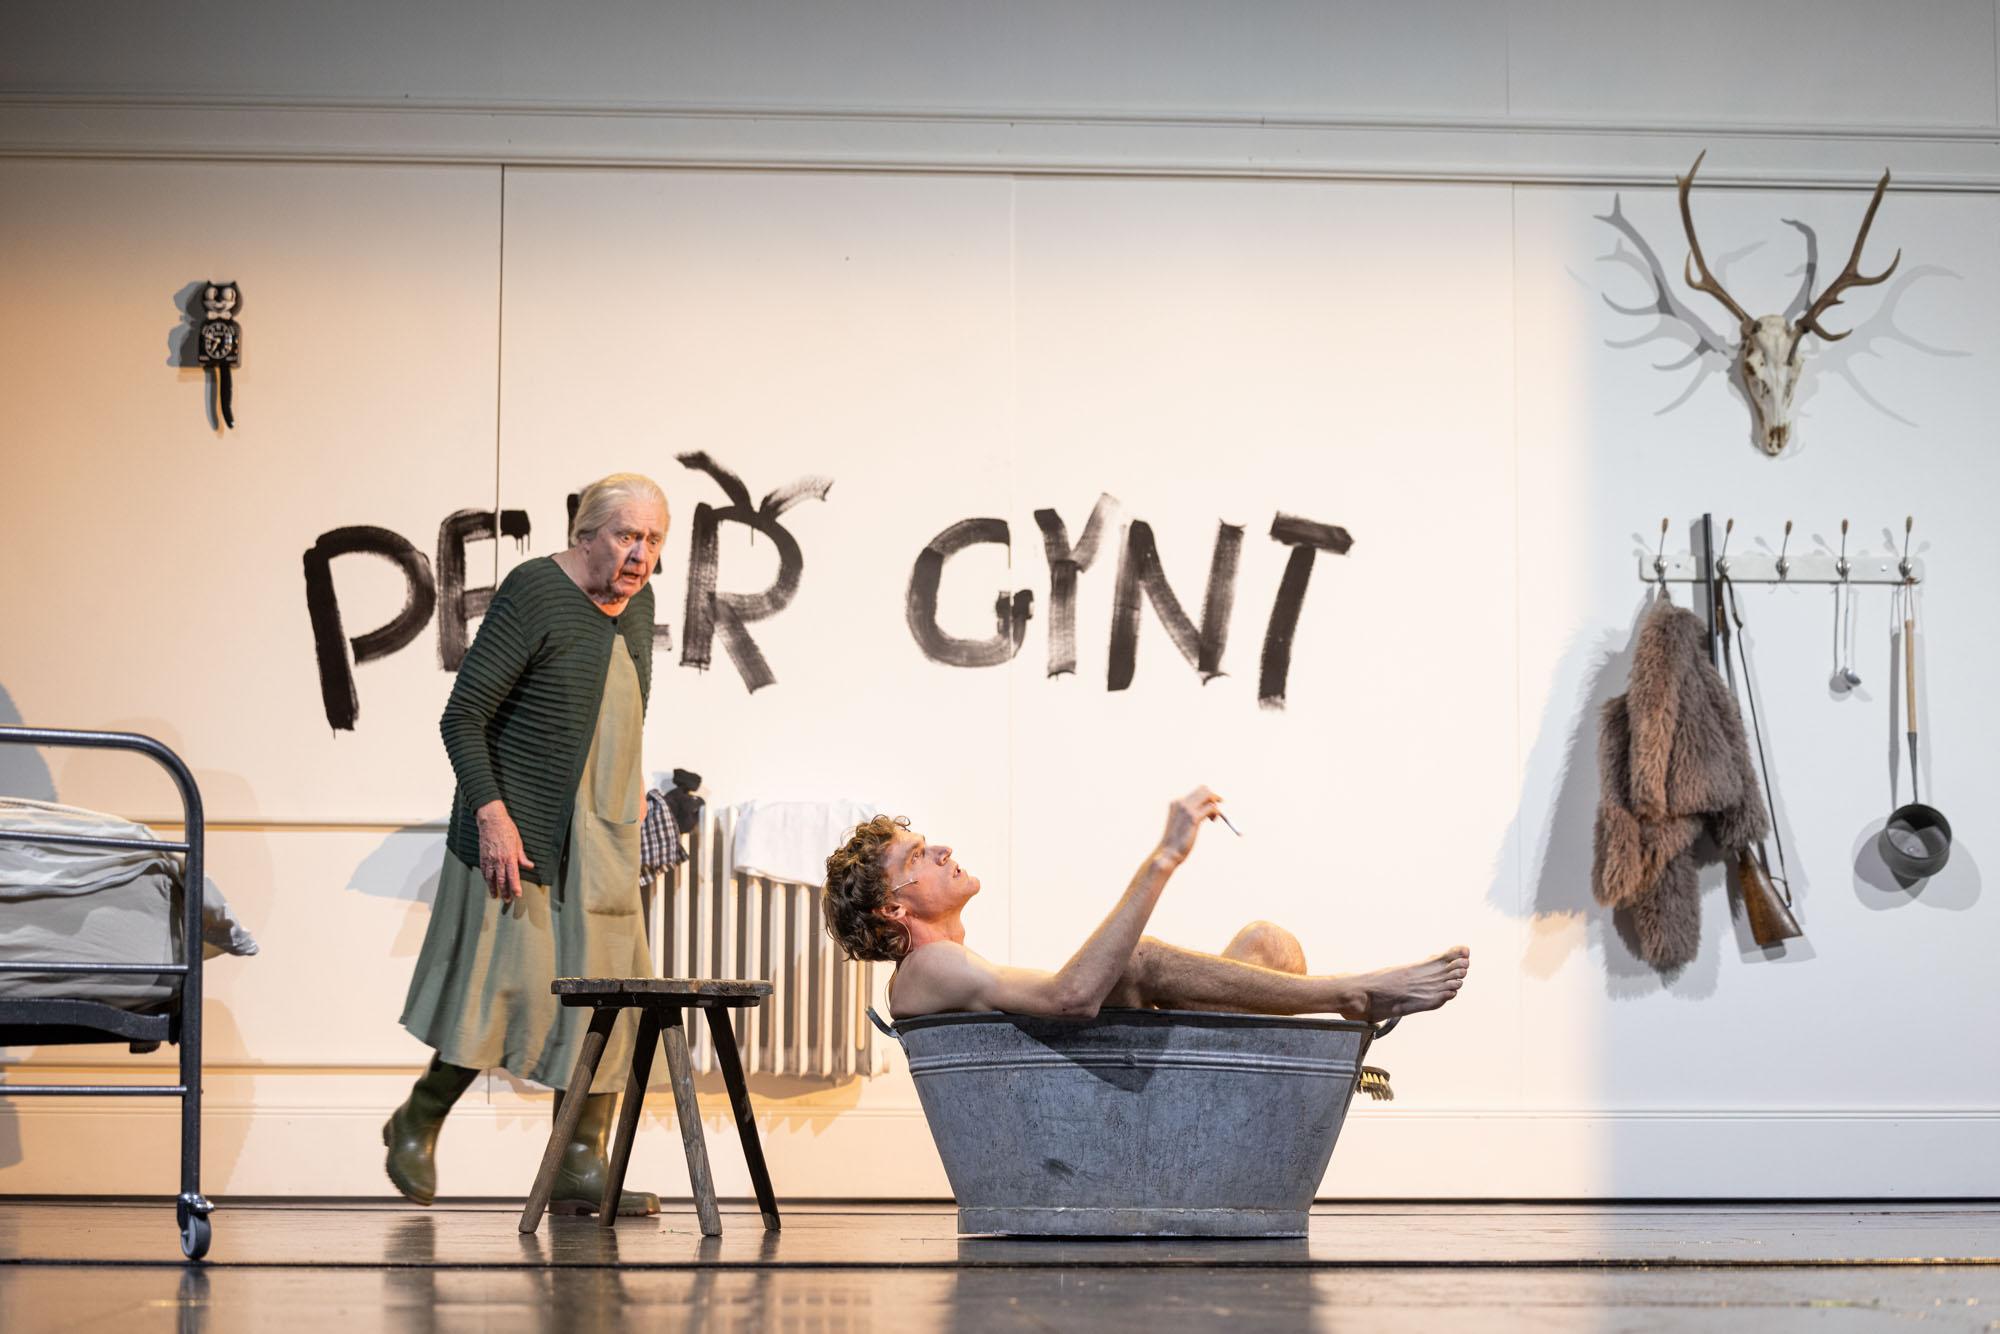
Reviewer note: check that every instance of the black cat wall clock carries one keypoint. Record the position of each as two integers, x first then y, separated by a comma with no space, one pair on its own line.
221,346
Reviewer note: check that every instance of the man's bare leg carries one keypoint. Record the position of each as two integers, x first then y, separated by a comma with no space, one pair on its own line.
1168,977
1264,945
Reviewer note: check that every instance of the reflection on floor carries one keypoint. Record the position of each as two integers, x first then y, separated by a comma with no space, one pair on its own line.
305,1268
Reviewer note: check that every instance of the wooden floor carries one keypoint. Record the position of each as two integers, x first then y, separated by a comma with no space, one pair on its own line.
310,1267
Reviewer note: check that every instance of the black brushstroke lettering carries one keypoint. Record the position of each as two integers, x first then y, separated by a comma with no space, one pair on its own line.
459,606
330,641
710,612
1306,539
1139,570
703,555
1065,564
1010,611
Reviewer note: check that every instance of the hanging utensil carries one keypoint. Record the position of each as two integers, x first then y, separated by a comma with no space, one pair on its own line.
1916,842
1844,678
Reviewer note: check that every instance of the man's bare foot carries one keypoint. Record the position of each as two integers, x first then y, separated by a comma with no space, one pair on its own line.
1412,988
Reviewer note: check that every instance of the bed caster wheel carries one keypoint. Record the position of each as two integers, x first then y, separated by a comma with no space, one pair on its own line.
196,1230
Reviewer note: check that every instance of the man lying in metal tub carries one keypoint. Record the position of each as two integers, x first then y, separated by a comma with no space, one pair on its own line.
892,895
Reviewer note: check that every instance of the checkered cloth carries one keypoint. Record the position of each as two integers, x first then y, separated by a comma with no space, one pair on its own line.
659,838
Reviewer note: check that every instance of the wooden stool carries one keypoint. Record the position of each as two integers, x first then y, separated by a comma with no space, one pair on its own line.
659,1001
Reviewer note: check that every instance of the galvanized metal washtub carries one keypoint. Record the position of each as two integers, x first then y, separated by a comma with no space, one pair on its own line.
1137,1122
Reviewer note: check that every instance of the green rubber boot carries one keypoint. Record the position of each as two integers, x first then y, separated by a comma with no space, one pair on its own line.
411,1132
580,1179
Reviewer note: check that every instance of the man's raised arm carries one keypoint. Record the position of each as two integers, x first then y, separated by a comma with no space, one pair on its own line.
951,977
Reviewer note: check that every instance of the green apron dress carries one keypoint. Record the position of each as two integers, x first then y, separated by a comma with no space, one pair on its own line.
480,993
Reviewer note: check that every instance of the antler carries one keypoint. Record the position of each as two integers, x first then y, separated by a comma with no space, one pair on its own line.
1849,277
1707,282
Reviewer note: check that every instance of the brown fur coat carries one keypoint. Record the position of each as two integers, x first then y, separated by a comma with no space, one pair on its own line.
1674,767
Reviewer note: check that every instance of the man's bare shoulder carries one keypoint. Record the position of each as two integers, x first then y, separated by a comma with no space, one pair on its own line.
943,975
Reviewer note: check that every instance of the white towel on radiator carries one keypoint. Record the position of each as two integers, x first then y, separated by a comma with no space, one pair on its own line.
791,840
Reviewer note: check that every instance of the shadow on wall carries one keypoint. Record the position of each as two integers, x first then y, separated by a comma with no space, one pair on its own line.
405,867
1565,914
184,339
1953,889
89,774
23,771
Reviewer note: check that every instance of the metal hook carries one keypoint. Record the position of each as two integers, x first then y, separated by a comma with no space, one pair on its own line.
1842,565
1784,561
1722,556
1660,557
1909,522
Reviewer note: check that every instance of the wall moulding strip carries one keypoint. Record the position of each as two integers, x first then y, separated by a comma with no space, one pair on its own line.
153,1062
254,826
1682,1155
500,1101
1496,150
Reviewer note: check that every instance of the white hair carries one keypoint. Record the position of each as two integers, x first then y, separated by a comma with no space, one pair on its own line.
596,503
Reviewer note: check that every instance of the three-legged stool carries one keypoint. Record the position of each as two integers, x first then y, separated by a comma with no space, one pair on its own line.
659,1001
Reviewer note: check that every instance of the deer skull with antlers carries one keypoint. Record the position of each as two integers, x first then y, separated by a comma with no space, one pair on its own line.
1768,357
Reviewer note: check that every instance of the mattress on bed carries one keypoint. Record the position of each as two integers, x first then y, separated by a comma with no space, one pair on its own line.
95,905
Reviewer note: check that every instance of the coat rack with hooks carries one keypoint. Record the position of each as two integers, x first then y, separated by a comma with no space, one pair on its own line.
1705,570
1763,568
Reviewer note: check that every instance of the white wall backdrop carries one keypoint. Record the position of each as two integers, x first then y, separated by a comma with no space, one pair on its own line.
1357,337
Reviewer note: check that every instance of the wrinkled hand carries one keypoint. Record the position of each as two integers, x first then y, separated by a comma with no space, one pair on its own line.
501,855
1184,821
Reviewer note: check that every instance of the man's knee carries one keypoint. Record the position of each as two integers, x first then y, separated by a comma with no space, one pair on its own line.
1137,984
1268,945
1145,966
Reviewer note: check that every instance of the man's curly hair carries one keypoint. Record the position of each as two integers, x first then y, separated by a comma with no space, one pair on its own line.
856,885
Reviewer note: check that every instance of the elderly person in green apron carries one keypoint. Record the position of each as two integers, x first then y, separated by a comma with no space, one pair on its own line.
541,873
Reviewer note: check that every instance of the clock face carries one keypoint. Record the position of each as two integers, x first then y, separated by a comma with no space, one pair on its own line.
218,340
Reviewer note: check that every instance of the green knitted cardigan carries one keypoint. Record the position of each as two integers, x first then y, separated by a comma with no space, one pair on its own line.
524,708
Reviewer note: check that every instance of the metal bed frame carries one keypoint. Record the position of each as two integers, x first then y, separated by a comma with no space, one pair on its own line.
29,1021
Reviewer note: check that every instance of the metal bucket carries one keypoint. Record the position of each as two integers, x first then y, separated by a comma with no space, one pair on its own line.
1156,1123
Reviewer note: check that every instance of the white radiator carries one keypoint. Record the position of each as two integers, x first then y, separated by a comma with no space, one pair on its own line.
709,920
